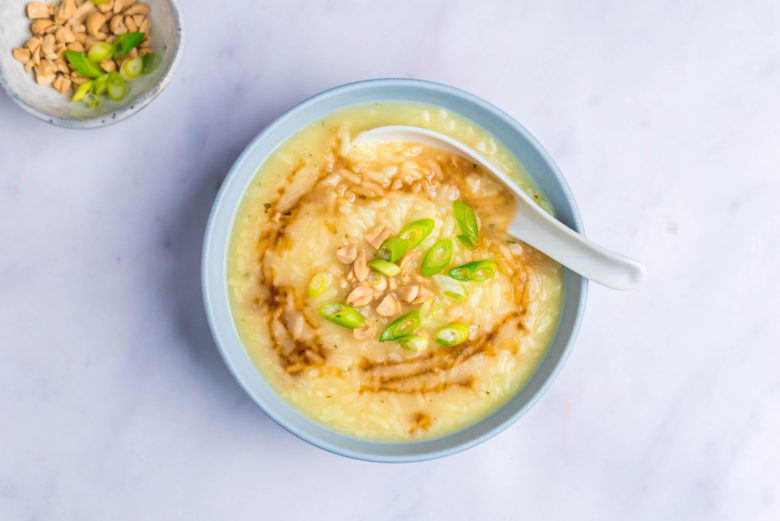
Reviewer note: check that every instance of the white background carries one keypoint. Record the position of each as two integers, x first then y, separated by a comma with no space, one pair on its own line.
665,118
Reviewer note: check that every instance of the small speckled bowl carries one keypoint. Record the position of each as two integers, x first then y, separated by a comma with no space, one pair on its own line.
45,103
215,249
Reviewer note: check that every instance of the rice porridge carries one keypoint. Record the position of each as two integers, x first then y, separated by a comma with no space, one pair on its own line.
375,287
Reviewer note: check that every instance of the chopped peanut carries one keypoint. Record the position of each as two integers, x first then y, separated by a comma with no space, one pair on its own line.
117,24
360,267
408,293
377,281
376,236
33,43
22,55
121,5
406,264
83,10
362,295
47,48
64,34
67,9
37,10
364,332
346,254
138,8
105,8
44,73
130,24
108,65
94,22
40,26
389,306
423,295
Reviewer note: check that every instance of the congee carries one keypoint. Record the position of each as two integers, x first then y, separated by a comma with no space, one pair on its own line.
375,287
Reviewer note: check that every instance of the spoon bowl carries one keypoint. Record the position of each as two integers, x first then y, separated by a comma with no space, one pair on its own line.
531,224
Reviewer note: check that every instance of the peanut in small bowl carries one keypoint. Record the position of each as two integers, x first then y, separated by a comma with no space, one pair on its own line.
42,80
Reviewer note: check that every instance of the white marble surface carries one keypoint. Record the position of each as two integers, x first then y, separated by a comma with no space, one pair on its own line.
665,116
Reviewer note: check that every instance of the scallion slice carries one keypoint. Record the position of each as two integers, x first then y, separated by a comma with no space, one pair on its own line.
100,84
132,68
92,100
450,288
415,232
405,325
452,334
343,315
467,221
82,91
393,249
475,271
427,310
100,51
124,43
151,61
83,65
116,86
413,343
319,283
384,267
437,258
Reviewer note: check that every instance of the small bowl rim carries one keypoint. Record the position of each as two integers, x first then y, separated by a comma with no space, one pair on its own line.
125,111
209,272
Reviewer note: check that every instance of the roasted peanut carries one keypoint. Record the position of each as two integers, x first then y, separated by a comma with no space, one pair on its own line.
346,254
37,10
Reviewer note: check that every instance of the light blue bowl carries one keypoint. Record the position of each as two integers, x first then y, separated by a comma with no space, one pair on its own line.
215,246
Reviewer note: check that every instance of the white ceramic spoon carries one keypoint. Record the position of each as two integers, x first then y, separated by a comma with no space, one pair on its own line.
531,224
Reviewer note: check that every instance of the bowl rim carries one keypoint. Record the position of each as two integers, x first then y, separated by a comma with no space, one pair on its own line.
125,111
208,273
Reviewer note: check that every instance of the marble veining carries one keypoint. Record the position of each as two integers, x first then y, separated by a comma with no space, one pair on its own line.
665,117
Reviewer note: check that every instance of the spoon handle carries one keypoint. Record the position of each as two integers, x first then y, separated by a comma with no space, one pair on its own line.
548,235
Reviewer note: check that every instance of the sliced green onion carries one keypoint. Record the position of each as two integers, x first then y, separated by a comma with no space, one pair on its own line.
384,267
427,310
393,249
450,288
413,343
475,271
83,66
405,325
319,283
92,100
467,221
437,258
132,68
124,43
415,232
342,315
151,61
101,84
82,91
452,334
100,51
116,86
